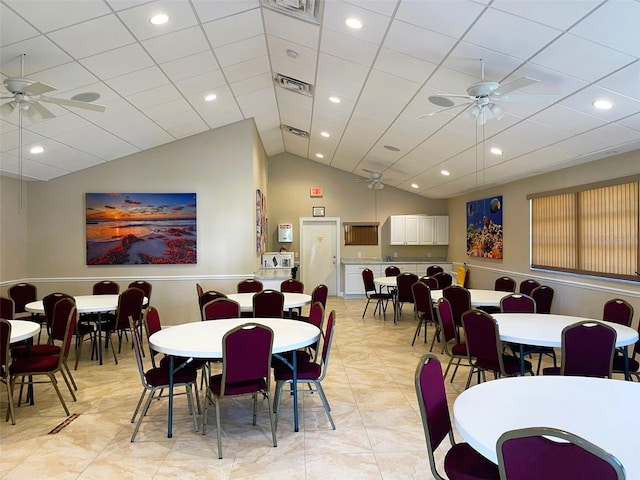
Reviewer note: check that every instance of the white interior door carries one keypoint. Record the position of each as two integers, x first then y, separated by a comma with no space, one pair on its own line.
320,253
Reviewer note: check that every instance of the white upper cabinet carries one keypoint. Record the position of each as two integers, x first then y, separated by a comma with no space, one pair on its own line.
419,230
441,230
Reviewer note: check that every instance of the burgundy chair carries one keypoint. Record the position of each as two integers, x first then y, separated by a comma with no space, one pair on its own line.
552,454
129,305
453,347
527,286
319,294
268,304
618,311
543,295
246,369
517,303
587,350
310,373
461,461
106,287
21,294
505,284
48,365
381,298
633,360
433,269
49,302
5,364
222,307
485,350
444,280
423,307
391,271
146,287
156,379
292,286
460,300
430,282
404,295
207,297
7,308
250,285
199,290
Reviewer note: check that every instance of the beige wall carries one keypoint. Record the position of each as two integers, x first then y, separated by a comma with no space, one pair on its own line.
579,295
13,229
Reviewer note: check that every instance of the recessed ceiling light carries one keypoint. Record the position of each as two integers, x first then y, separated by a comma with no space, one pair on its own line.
319,155
159,19
415,185
353,23
210,98
445,172
325,134
602,104
392,148
495,151
292,53
36,149
334,99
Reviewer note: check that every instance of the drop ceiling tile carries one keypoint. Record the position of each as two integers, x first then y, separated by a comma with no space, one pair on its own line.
47,16
39,171
137,19
209,82
418,42
403,65
58,125
155,97
14,28
272,141
449,18
173,46
183,124
241,51
98,35
287,28
239,71
190,66
138,81
278,47
582,101
384,7
262,82
374,24
41,54
632,122
97,142
285,66
624,81
208,10
66,78
560,14
118,62
348,48
234,28
568,120
339,76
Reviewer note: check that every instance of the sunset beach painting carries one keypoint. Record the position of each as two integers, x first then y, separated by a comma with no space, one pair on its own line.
141,228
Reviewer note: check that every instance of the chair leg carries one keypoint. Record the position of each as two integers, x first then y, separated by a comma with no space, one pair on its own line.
365,307
217,405
10,412
142,414
418,328
325,403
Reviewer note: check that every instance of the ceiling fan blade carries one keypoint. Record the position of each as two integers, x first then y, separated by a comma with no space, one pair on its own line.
38,88
515,85
527,98
7,108
444,110
74,103
41,110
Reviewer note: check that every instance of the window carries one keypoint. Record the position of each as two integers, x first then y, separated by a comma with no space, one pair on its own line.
591,230
360,233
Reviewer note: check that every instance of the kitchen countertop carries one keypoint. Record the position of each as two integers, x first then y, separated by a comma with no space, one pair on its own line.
393,261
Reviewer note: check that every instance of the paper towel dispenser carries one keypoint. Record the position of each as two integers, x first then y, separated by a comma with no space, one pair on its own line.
285,232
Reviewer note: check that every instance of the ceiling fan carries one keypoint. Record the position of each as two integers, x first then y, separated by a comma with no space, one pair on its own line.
483,98
375,180
27,96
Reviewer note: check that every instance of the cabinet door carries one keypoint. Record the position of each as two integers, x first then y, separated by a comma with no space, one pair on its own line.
398,226
427,230
412,230
442,230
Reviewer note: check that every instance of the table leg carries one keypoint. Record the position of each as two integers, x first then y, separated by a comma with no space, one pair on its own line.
522,359
294,385
99,337
625,351
170,414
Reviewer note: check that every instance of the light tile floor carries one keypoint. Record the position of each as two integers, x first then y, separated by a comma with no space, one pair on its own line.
369,385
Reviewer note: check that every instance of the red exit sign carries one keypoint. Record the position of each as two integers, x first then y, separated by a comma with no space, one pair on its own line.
316,191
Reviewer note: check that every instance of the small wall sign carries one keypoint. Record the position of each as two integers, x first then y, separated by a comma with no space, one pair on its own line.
316,192
318,211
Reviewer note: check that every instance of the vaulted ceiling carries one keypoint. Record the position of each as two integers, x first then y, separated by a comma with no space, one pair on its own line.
152,79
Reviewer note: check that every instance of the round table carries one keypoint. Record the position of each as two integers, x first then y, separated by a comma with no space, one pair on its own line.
479,298
545,330
291,300
23,330
203,339
603,411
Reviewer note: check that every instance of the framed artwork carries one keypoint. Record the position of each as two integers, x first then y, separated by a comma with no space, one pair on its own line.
484,228
318,211
141,228
261,222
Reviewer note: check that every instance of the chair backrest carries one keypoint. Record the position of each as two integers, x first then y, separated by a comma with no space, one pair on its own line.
527,286
152,325
144,286
328,341
483,339
391,271
543,295
199,290
505,284
619,311
552,454
319,294
49,302
434,410
249,285
587,349
430,282
291,285
106,287
268,303
21,294
445,319
316,315
367,279
444,280
422,301
405,281
7,308
220,308
137,348
246,355
5,345
517,303
207,297
460,299
129,305
65,317
433,269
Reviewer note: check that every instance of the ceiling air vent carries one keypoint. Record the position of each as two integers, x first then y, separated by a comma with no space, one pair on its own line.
293,84
307,10
295,131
